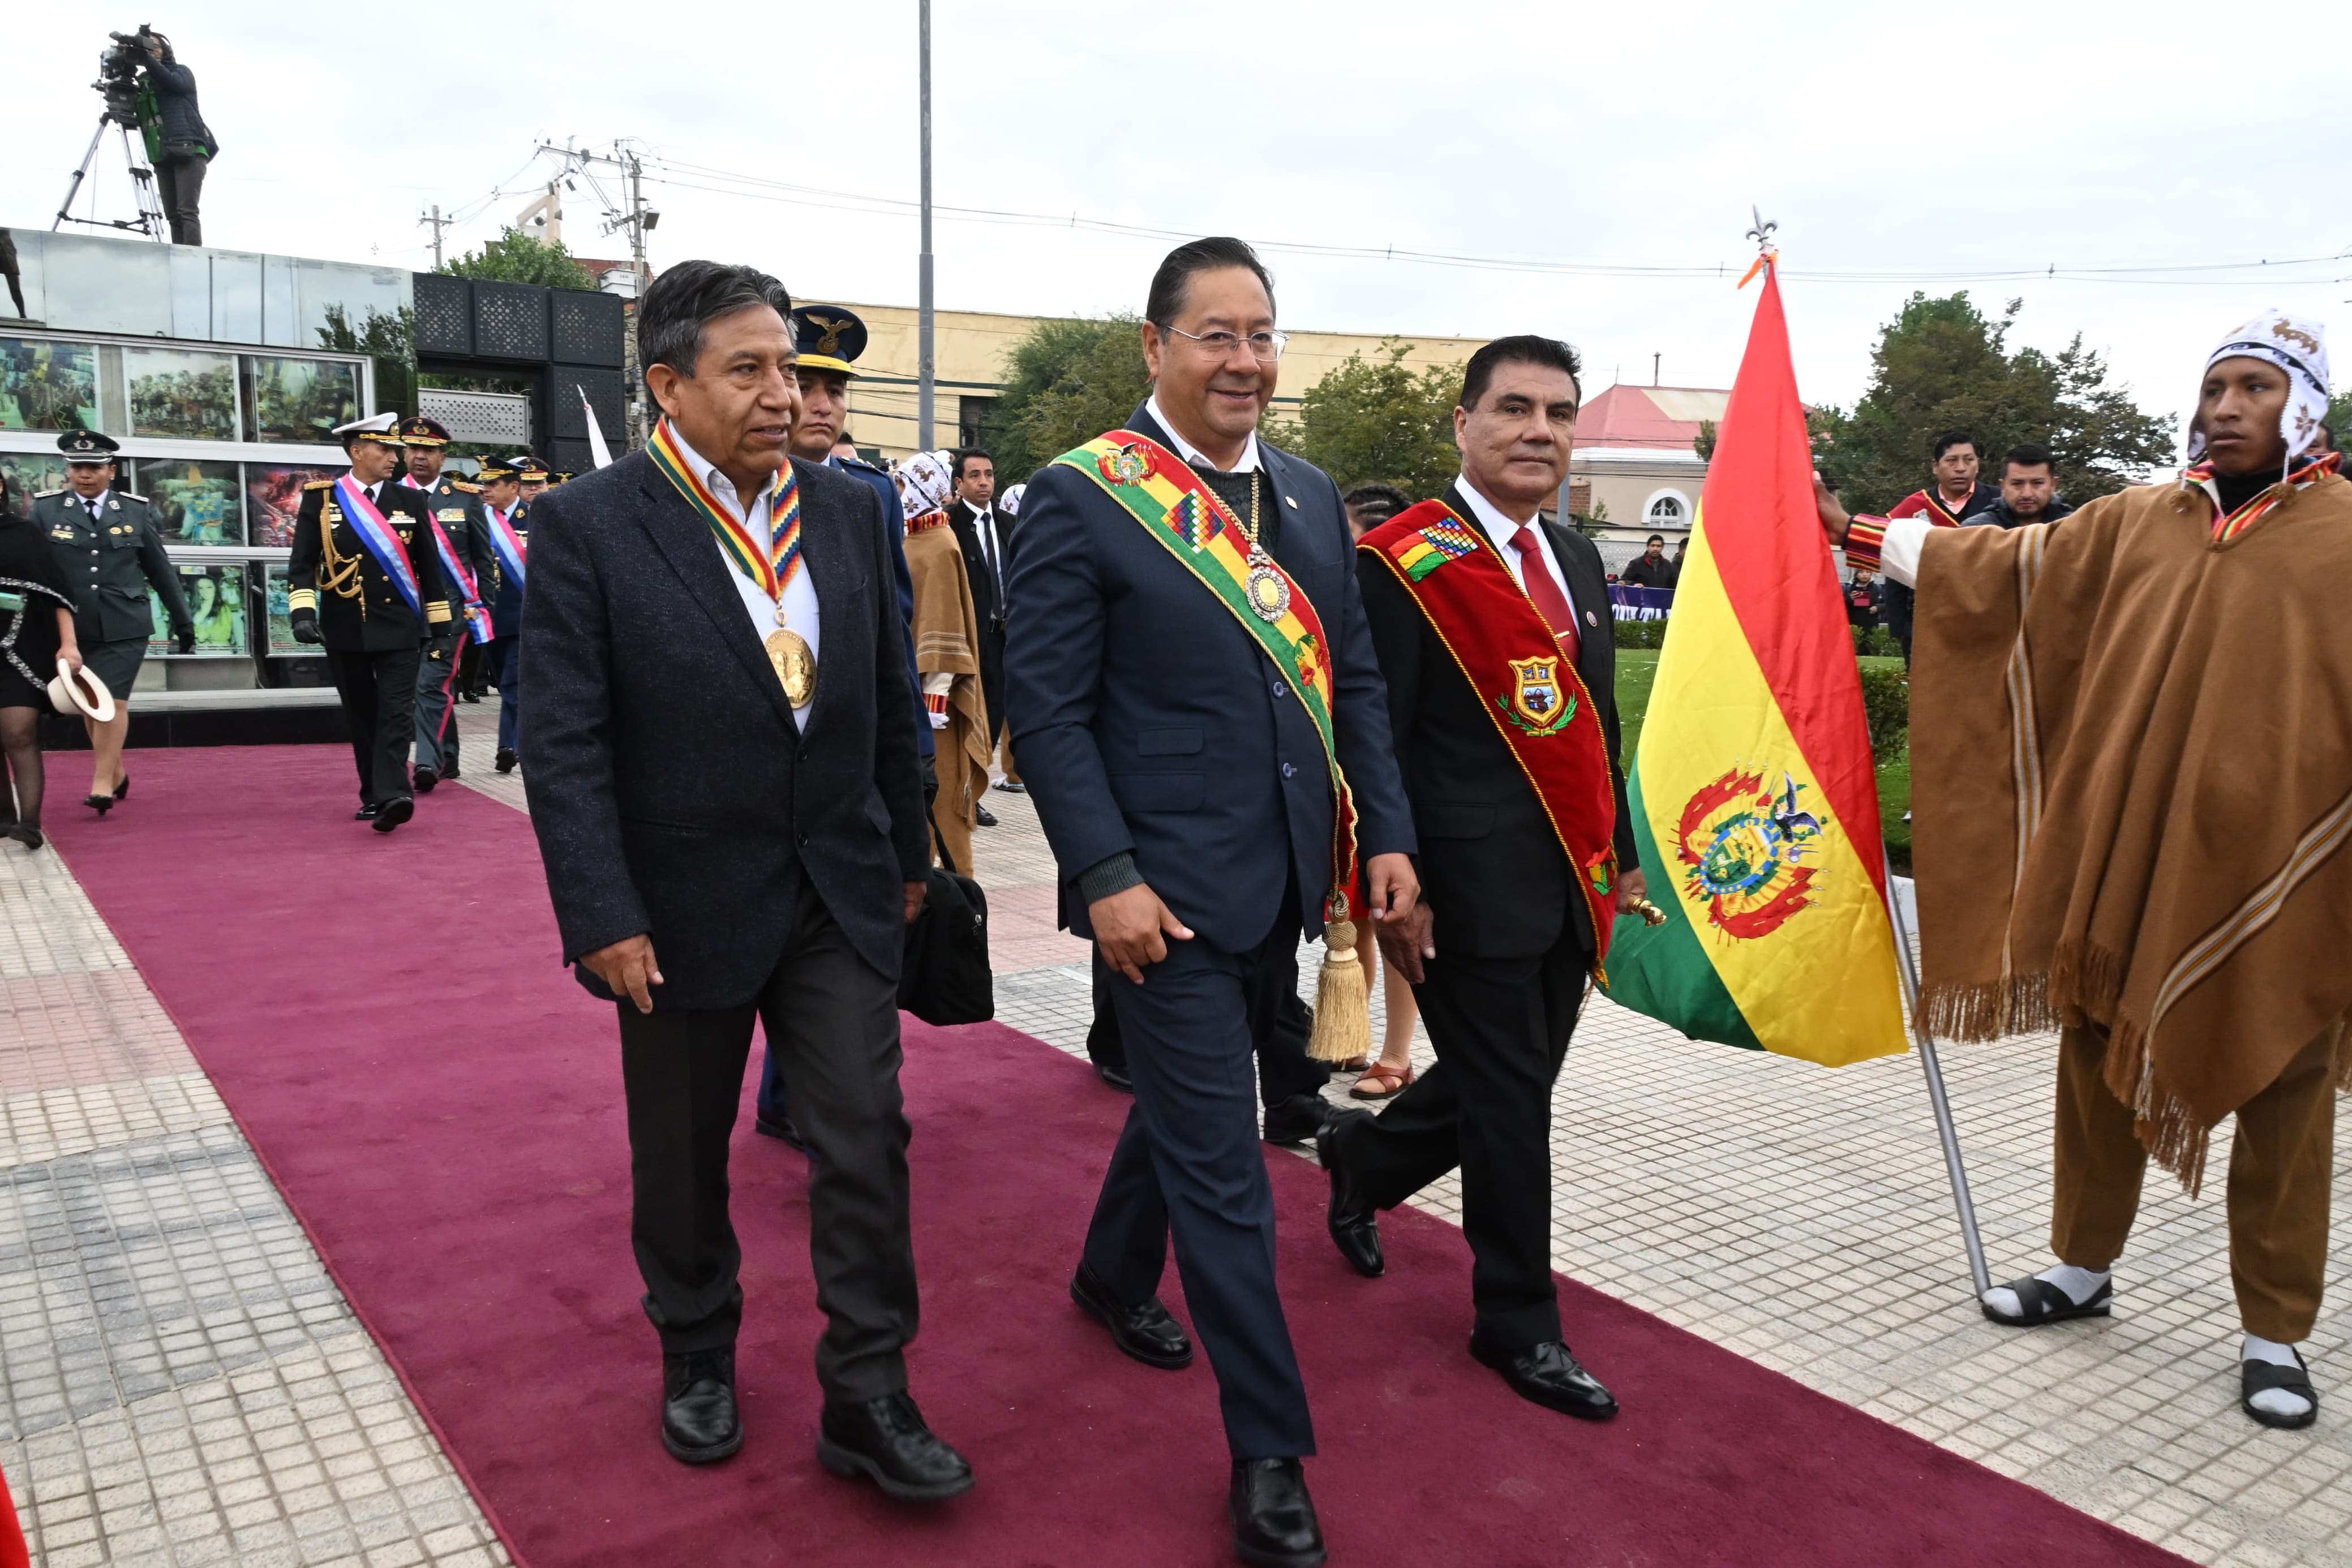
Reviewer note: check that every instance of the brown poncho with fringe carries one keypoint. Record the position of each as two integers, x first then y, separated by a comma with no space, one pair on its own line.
947,641
2131,754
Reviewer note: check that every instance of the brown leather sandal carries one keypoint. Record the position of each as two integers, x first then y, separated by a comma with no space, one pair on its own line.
1391,1082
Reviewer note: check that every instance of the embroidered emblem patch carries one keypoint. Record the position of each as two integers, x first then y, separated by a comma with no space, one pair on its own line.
1537,702
1192,519
1125,465
1740,846
1419,554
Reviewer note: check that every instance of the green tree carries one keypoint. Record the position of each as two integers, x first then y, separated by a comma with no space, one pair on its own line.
516,257
1066,383
1941,364
2339,417
1377,420
390,341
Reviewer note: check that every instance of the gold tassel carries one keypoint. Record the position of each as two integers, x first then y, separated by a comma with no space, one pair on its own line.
1343,1008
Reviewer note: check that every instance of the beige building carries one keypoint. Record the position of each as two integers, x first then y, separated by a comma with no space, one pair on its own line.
1635,458
970,349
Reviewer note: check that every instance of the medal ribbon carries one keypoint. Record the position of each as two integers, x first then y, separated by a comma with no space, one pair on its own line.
772,565
380,541
1155,487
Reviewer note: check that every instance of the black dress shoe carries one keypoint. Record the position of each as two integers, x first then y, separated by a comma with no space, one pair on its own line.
426,777
769,1126
365,814
1296,1120
390,813
505,760
1147,1332
26,834
983,817
1116,1077
469,697
450,771
1012,786
1273,1519
700,1424
1353,1220
1547,1374
884,1440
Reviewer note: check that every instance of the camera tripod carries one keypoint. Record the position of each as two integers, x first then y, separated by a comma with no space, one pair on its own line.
150,221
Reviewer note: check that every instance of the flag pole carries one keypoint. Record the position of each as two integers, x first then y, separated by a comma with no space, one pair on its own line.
1930,1065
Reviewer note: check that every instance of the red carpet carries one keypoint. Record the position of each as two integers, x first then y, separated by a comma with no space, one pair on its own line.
442,1107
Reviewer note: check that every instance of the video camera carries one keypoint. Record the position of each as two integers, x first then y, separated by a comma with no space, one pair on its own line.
119,65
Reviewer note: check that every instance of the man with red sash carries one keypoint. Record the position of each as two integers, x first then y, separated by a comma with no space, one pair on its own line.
1954,497
364,579
1493,629
1200,719
460,538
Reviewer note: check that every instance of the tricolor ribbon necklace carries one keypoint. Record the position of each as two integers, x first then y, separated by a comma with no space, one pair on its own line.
771,563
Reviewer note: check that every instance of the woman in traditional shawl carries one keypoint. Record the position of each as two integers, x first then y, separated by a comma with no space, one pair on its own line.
36,633
2132,743
947,651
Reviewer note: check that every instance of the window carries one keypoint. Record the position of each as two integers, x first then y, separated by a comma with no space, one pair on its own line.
1667,509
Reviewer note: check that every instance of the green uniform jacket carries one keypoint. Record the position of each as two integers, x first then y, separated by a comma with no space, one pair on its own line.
458,506
111,561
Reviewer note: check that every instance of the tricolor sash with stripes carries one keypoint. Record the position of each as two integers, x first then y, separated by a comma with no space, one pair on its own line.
477,618
771,562
1153,485
1527,686
506,544
380,541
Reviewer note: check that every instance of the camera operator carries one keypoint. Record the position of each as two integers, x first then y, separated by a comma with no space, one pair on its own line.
187,147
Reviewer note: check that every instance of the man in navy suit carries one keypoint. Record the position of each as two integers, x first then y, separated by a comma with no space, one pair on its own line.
1186,792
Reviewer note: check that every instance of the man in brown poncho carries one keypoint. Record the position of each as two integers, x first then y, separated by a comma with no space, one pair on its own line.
2132,743
946,654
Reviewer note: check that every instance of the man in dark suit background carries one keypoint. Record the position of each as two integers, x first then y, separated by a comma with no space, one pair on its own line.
982,535
1187,796
719,753
1499,949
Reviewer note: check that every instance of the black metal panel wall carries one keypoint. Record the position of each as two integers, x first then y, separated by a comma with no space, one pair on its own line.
509,320
588,329
606,394
573,340
444,315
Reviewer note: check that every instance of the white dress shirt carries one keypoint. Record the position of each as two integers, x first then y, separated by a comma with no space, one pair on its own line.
1501,530
984,527
799,595
1193,456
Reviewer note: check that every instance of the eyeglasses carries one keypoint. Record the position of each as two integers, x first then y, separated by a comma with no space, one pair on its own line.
1264,347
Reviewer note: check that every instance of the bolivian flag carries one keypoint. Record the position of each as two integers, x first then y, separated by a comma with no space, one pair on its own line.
1753,795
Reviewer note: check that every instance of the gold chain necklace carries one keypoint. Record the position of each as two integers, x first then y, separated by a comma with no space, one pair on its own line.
1267,590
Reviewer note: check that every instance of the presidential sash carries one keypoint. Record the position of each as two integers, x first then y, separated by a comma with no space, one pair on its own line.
1529,689
1155,487
478,619
380,541
506,544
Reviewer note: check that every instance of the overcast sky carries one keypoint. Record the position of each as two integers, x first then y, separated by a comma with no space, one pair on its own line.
1917,147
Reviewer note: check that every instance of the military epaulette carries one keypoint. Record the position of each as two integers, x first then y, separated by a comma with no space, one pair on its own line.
319,484
861,463
44,495
469,489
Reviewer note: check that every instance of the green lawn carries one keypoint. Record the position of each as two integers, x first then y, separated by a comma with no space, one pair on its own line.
1637,668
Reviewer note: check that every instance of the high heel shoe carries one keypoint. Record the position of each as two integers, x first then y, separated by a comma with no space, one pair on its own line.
101,804
122,790
26,834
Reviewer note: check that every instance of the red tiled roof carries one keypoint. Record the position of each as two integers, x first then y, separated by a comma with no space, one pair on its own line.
1658,417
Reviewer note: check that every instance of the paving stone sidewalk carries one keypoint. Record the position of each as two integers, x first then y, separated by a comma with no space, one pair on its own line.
183,1384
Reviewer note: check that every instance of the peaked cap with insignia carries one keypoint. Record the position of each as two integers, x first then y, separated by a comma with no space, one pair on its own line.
828,337
87,446
378,427
420,431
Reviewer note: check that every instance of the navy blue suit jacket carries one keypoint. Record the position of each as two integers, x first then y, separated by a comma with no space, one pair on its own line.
1149,721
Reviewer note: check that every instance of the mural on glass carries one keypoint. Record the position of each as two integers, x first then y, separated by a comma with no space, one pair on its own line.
176,393
273,495
195,503
280,621
299,399
47,386
29,474
215,596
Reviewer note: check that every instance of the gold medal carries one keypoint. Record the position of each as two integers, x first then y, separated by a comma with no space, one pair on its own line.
795,666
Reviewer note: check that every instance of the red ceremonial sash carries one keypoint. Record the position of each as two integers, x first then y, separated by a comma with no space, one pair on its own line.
1505,650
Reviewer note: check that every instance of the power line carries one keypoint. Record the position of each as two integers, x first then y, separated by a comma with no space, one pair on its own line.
693,177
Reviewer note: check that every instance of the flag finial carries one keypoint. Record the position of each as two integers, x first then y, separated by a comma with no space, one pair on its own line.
1766,253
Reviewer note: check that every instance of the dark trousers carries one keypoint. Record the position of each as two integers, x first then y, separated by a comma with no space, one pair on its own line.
504,655
1188,1164
436,703
1285,1071
179,185
379,693
835,1018
1500,1028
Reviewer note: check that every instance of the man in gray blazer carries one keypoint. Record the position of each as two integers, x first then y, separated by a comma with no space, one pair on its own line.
719,753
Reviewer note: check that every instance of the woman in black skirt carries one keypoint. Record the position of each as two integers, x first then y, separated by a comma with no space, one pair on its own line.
37,630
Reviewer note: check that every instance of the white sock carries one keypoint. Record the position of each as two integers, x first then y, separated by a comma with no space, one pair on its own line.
2276,1401
2080,1285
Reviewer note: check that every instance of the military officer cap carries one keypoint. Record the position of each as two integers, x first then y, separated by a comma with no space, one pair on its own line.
827,337
422,432
494,469
87,446
377,427
530,468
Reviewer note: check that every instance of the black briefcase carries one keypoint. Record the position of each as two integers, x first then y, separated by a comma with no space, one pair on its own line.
946,978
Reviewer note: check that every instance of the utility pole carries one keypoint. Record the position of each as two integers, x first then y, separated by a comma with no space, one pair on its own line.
438,223
1655,361
926,367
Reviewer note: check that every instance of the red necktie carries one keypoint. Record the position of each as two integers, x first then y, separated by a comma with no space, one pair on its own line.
1544,589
